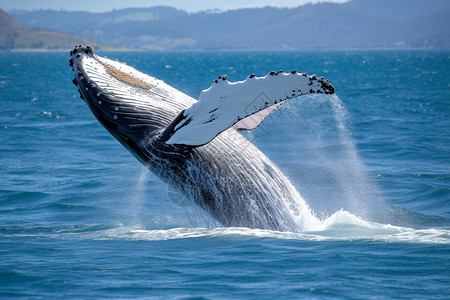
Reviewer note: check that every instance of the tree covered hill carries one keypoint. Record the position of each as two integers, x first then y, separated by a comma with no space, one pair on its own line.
16,36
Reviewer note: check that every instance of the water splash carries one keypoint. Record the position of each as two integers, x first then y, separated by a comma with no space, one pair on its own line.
360,191
137,200
341,226
320,157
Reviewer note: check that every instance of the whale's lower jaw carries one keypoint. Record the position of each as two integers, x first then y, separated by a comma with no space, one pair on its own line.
228,177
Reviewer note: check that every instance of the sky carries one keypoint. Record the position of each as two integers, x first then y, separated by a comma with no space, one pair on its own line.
188,5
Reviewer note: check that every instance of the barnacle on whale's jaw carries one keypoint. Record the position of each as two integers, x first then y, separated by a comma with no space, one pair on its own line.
79,56
76,57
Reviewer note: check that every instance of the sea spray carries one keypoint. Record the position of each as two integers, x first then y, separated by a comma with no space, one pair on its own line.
361,193
323,163
137,200
348,172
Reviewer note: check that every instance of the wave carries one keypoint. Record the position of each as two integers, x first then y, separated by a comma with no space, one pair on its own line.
341,226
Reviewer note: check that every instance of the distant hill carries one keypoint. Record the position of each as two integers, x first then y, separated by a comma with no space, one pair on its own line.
359,24
14,36
110,28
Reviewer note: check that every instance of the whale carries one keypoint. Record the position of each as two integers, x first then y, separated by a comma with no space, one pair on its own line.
196,145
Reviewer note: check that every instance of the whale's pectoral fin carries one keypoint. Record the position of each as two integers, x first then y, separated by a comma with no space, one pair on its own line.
242,105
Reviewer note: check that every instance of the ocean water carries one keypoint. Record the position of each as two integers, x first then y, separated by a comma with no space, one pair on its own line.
81,218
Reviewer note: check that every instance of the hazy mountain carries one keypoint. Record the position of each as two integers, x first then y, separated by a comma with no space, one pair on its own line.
74,22
358,24
16,36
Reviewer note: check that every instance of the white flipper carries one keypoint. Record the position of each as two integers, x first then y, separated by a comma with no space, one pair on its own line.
244,105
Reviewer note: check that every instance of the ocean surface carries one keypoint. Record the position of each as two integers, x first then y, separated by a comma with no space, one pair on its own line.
81,218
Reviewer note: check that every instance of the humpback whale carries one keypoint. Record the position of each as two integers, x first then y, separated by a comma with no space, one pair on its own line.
195,145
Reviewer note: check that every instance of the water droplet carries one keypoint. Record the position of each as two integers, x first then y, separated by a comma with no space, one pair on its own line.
87,89
99,102
116,109
115,117
81,77
98,94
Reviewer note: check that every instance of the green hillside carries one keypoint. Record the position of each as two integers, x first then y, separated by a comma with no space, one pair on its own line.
14,36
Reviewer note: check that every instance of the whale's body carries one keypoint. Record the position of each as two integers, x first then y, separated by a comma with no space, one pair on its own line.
227,176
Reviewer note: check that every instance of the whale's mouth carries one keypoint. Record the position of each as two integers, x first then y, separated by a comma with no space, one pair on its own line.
114,71
117,95
90,69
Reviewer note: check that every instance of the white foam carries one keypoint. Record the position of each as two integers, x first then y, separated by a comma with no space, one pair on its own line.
341,226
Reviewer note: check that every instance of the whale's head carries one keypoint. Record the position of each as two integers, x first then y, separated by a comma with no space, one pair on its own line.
131,105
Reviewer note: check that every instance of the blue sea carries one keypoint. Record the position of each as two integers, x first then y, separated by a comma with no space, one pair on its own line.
80,217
